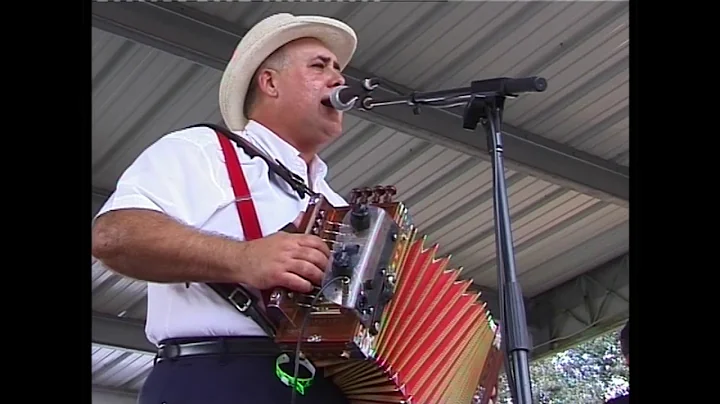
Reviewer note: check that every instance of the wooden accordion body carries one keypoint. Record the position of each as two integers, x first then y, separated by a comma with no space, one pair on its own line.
392,323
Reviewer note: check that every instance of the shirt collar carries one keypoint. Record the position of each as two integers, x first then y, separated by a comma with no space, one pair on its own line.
288,155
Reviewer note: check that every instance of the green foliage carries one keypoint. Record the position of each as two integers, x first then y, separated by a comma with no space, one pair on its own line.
589,373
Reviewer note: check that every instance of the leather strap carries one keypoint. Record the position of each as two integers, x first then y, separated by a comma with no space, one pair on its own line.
245,302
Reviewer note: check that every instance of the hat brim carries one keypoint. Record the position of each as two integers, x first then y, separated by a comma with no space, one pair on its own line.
264,39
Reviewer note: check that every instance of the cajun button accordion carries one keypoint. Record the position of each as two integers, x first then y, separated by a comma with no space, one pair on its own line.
391,322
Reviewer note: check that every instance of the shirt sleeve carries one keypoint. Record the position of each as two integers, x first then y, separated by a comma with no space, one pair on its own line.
168,177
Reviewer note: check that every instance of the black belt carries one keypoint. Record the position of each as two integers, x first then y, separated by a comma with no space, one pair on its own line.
247,346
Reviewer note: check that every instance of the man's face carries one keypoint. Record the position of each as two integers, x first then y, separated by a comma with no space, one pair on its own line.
310,73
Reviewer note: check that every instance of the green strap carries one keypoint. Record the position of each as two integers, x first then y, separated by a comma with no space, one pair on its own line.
300,384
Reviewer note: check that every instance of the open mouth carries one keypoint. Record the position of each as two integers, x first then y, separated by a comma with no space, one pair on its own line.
326,102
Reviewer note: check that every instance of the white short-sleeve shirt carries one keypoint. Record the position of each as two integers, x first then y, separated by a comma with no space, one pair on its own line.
183,175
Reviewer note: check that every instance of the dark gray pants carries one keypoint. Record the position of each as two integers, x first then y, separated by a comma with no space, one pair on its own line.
228,379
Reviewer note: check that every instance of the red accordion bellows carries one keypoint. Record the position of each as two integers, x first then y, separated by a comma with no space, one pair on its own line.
437,344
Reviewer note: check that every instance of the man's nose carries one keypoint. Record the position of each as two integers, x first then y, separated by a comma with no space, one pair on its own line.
337,80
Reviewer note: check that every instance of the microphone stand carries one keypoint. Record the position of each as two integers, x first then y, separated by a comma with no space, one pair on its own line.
484,102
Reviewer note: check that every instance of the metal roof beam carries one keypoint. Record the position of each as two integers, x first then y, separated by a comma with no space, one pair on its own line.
99,197
210,41
581,308
120,333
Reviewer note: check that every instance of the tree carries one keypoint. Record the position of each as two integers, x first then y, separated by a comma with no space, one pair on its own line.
591,372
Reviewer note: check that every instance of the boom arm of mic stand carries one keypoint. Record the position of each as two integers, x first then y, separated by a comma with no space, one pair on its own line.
504,87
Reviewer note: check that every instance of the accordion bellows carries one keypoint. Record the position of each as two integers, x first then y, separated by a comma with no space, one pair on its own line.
437,345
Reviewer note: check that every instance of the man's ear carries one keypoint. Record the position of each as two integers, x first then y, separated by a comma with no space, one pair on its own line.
267,82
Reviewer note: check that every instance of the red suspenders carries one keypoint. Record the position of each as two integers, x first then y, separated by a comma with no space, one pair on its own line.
235,294
243,199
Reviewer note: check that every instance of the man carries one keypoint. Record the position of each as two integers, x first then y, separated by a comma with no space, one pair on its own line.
625,348
173,222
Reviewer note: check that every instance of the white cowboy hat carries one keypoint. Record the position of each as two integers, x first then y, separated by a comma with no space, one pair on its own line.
265,38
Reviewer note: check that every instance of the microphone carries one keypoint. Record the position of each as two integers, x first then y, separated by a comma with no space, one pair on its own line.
343,98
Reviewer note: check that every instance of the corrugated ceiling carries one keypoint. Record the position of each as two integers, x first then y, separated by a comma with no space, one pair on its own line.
140,93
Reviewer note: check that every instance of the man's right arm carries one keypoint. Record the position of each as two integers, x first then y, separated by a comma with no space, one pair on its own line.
148,229
150,246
